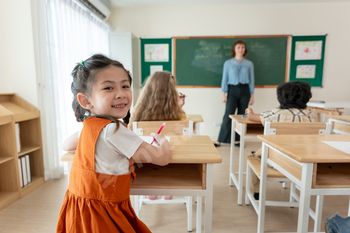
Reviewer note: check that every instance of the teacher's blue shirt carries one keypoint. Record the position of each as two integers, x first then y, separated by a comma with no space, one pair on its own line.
238,72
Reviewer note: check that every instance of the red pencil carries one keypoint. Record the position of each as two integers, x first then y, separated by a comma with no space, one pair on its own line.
160,130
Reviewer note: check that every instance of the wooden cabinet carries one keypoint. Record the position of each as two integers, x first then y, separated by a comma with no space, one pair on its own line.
14,109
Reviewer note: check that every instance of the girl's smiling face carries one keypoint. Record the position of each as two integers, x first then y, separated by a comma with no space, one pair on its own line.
111,93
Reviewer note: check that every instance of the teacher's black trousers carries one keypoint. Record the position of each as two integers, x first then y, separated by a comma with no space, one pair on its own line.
238,97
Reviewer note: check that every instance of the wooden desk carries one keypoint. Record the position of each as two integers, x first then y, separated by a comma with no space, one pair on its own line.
329,108
340,124
317,168
247,130
190,173
196,119
188,125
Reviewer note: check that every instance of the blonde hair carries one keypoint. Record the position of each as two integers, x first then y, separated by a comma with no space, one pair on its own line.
158,100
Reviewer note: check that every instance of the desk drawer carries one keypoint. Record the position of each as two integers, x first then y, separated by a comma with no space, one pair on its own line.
291,167
333,175
172,176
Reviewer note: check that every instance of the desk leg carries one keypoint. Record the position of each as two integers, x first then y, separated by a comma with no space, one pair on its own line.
318,213
137,205
232,152
241,160
199,215
189,207
262,191
197,128
305,194
209,198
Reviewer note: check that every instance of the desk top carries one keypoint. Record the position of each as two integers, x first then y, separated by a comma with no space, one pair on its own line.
341,118
239,119
186,149
308,148
328,105
194,117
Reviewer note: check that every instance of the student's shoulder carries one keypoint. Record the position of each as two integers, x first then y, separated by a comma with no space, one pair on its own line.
311,113
111,128
271,112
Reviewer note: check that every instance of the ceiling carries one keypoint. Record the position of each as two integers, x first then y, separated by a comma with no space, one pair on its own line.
149,3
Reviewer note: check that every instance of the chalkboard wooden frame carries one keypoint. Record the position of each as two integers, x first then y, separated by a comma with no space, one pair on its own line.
285,58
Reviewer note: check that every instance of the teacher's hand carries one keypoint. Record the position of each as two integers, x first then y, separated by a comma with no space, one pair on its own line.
251,101
224,98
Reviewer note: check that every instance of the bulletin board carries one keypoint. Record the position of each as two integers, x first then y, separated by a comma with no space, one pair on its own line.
307,59
156,55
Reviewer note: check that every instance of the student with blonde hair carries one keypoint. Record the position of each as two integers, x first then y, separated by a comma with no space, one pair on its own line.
158,101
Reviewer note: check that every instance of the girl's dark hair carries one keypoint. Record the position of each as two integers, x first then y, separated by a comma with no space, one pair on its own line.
294,95
84,75
233,53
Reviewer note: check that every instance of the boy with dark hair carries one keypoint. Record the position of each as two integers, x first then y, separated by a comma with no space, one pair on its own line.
293,97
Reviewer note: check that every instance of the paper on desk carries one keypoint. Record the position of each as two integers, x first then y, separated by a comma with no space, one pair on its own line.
343,146
149,139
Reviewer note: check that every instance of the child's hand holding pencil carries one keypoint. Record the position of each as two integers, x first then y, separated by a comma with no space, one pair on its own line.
156,137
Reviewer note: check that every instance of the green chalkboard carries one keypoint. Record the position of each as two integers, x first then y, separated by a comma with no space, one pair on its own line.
199,60
307,59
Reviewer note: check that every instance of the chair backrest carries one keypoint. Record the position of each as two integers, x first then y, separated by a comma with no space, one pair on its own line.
170,128
283,128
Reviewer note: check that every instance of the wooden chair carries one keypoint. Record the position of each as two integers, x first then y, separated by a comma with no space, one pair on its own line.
285,128
171,128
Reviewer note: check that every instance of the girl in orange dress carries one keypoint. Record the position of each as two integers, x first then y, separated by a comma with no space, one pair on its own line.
98,195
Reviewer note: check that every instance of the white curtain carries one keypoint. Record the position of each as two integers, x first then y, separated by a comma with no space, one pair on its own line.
64,35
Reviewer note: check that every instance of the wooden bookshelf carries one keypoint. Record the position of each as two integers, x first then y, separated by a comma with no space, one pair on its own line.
14,109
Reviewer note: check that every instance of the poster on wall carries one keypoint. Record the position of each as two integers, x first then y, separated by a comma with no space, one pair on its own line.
307,59
155,69
306,71
308,50
156,53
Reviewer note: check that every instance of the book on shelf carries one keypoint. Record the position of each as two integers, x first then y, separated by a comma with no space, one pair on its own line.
24,170
18,139
20,172
29,175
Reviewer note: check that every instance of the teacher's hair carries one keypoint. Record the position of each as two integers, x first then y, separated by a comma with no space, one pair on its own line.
294,95
233,53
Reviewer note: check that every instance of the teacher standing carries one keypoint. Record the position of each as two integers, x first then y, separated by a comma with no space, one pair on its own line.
238,83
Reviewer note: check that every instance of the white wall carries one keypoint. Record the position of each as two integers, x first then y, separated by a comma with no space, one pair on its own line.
17,63
249,19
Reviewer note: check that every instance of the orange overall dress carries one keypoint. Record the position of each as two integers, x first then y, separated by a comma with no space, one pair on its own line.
96,202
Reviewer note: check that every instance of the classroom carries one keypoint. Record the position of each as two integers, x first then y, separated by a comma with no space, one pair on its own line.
152,19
